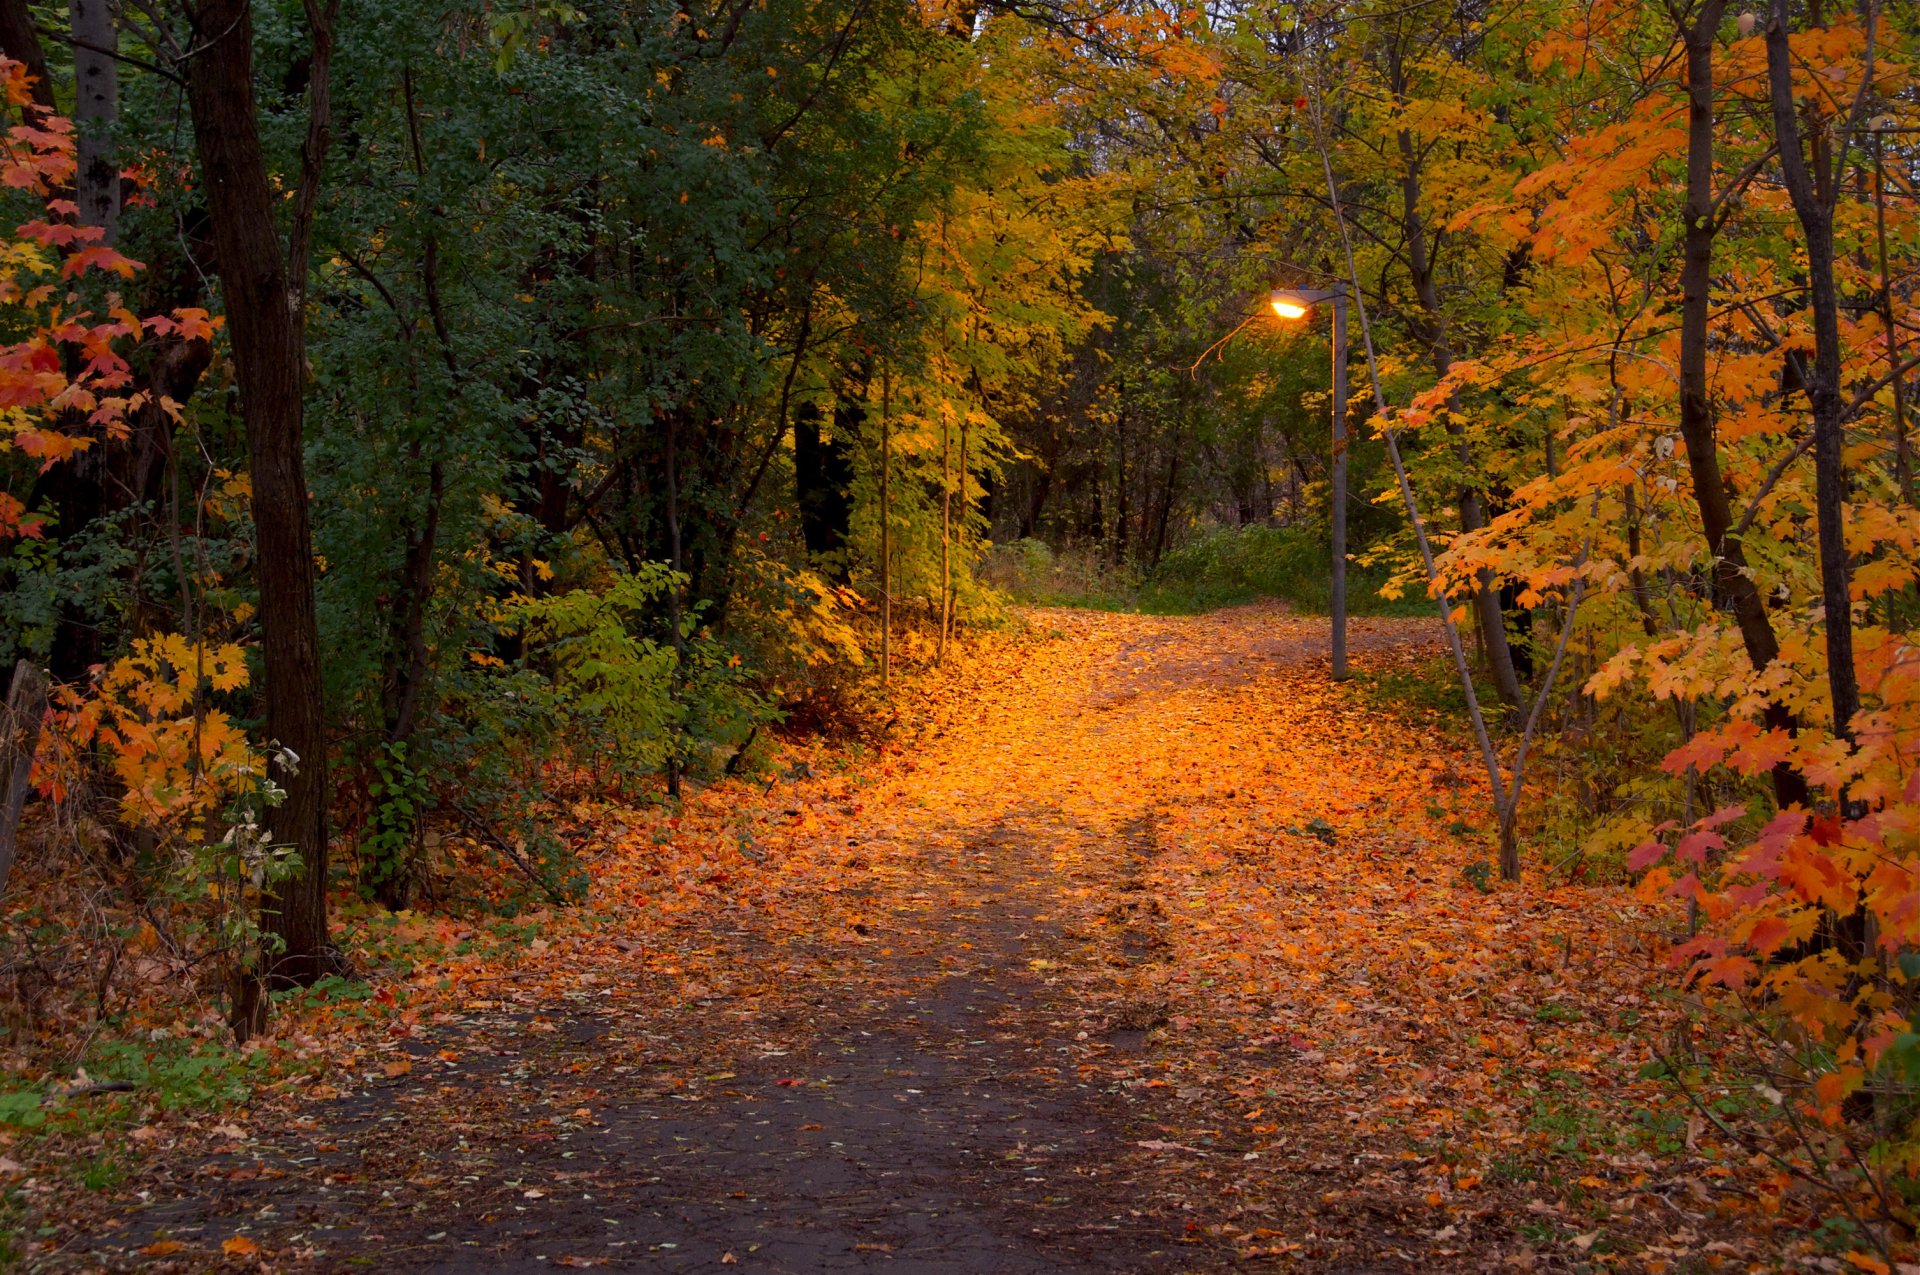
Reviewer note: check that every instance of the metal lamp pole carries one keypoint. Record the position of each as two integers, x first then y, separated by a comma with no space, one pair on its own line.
1294,303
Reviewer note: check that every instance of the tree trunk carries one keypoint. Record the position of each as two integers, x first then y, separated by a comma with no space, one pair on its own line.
19,740
822,472
946,535
1486,599
960,525
1733,584
96,113
886,528
1815,214
263,288
1165,513
19,41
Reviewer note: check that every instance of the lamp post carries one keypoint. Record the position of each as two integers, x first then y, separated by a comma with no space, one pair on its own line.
1294,303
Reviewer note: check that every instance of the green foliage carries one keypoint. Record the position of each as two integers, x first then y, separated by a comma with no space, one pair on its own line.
184,1073
80,573
1229,566
610,685
1239,564
637,701
400,795
1031,571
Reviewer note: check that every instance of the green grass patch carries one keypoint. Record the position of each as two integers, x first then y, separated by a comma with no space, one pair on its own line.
1228,567
173,1074
1237,565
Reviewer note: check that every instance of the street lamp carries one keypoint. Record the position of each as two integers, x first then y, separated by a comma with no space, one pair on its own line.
1294,303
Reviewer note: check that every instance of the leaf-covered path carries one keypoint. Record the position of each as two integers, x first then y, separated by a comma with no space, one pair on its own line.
1150,954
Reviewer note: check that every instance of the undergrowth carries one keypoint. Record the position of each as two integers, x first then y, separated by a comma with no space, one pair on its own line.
1227,567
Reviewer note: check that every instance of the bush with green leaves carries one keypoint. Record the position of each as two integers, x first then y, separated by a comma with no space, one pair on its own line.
622,691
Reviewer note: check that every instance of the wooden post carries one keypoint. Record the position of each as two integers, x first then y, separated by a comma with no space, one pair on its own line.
19,739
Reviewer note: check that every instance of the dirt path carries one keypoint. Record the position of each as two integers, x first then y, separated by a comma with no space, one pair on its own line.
983,1033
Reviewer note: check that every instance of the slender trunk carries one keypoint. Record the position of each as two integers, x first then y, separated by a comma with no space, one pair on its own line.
1122,512
1338,584
886,530
1165,513
417,569
960,528
1902,448
1473,516
1642,598
673,591
1358,297
96,113
1733,583
946,535
263,287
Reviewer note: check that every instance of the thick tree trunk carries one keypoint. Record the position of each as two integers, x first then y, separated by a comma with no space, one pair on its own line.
19,41
96,113
1733,583
264,302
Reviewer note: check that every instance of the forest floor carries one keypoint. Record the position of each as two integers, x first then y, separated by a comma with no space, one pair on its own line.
1149,951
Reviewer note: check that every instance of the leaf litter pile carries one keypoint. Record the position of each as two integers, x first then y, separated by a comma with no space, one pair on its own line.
1150,951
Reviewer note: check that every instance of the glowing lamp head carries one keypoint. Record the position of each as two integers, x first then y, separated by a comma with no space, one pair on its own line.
1287,307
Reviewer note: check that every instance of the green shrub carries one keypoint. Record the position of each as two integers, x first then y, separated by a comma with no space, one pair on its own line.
629,695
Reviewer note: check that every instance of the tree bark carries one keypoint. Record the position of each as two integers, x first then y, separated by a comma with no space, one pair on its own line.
886,525
263,287
96,113
19,41
19,740
1815,214
1733,584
